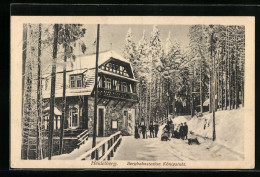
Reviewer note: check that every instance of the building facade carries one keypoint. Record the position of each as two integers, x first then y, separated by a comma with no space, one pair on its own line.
117,96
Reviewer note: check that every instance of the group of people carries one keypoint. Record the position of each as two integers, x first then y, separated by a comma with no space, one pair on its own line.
180,132
142,129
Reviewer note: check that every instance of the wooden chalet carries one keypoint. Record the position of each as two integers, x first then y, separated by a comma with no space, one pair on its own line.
117,95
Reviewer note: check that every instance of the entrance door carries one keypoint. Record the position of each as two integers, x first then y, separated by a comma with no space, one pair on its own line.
125,119
100,122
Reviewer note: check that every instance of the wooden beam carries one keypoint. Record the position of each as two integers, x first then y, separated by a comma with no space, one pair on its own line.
124,105
107,102
116,103
100,100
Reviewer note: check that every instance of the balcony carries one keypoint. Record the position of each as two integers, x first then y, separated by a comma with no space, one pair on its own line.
117,95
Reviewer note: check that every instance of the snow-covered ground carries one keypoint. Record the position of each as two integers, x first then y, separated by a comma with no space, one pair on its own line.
175,150
229,128
228,145
78,152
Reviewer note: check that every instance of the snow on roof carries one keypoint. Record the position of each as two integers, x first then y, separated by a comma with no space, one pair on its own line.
113,74
56,111
89,75
89,61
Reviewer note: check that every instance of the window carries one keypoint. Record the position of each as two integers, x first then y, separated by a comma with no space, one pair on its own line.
114,124
46,83
124,87
125,73
76,81
108,83
117,85
100,82
109,67
73,121
46,122
79,83
56,122
125,118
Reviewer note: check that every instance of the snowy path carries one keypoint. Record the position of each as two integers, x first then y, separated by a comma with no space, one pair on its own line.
153,149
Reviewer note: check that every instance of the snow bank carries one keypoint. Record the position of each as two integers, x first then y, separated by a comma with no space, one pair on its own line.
179,120
229,128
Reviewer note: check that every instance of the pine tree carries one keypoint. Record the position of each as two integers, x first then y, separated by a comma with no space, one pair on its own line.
130,48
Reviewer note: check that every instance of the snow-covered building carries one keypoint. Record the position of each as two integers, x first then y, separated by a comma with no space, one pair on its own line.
116,94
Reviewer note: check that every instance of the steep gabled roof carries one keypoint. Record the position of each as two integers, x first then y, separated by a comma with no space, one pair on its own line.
89,61
84,64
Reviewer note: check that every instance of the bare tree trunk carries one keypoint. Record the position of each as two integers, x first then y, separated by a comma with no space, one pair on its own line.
146,102
217,81
140,103
210,90
63,101
222,77
213,79
229,81
236,80
232,81
96,95
192,88
226,72
150,102
52,97
201,96
39,106
24,150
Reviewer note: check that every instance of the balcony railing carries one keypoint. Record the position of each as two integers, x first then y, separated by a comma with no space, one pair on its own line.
115,94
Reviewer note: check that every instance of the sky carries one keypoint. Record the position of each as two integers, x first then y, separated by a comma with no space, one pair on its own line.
113,36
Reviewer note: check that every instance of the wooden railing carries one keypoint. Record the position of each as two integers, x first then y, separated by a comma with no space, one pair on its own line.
109,93
82,137
105,149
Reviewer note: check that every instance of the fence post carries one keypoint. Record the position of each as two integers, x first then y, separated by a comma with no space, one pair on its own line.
97,156
112,151
108,146
103,149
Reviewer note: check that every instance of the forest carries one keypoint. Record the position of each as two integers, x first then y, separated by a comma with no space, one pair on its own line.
207,75
175,80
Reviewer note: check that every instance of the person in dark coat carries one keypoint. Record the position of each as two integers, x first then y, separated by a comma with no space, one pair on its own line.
182,131
156,129
143,131
151,128
136,132
172,129
185,130
167,129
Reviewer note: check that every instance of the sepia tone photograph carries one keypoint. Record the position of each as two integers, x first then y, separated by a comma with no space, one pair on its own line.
132,92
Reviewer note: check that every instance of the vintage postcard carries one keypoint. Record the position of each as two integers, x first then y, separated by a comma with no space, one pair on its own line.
157,92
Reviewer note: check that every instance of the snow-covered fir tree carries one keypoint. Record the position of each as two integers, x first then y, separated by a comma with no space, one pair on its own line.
130,48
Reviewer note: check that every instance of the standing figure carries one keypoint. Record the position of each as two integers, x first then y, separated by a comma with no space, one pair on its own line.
156,129
151,128
167,129
136,132
185,131
143,130
182,131
172,129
